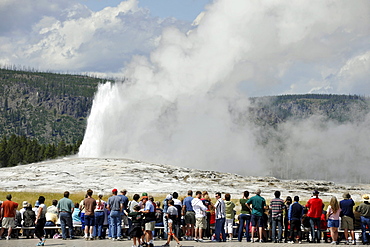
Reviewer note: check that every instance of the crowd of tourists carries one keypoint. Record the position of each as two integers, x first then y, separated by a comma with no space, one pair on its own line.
194,218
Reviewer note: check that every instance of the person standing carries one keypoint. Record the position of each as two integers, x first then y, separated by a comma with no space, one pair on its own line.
40,221
220,218
347,223
295,214
332,216
89,205
165,220
315,206
244,217
7,216
200,214
189,215
115,206
124,217
364,210
99,216
230,215
172,216
65,207
277,206
258,206
149,212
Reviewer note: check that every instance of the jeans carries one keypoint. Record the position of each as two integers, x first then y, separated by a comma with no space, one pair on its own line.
315,222
99,221
276,221
66,220
244,219
365,221
115,224
220,228
295,224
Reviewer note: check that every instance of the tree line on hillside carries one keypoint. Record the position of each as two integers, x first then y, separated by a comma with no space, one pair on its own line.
17,150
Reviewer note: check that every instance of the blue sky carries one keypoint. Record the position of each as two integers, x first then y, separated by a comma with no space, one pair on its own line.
186,10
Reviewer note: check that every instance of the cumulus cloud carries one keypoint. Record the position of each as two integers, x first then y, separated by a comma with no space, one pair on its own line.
67,36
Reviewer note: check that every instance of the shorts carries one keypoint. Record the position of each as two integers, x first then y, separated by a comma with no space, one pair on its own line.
229,225
257,220
333,223
89,220
190,217
347,223
8,222
201,223
136,232
124,220
150,226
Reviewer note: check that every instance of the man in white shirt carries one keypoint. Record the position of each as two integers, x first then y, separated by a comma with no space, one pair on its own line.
220,218
200,216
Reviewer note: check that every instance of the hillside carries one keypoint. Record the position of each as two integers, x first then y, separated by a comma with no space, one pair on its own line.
53,107
47,106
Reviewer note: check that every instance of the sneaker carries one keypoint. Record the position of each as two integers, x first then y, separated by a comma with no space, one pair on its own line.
299,241
166,245
114,239
178,245
7,238
201,240
290,242
92,238
196,240
353,242
40,243
261,241
333,243
252,240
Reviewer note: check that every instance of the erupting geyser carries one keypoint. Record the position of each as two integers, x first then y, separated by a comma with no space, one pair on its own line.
187,104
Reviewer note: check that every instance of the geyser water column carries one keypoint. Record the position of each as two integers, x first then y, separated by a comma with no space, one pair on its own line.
181,106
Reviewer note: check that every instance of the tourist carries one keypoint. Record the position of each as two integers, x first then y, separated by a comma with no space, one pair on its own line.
244,217
277,206
76,216
332,216
65,207
149,213
130,208
229,216
220,218
165,220
364,210
29,218
24,205
51,218
288,202
189,216
115,206
258,207
136,230
200,214
178,206
172,216
295,214
99,216
124,218
40,221
347,217
7,215
89,206
208,203
315,207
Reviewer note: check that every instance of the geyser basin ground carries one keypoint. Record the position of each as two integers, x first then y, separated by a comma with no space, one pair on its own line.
103,174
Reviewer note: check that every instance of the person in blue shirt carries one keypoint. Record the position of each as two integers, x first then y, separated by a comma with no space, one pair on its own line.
295,214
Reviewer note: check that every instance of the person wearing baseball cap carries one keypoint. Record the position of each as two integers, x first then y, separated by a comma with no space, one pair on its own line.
364,210
347,223
315,206
115,205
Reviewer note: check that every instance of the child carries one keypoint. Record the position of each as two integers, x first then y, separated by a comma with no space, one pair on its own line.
172,217
136,231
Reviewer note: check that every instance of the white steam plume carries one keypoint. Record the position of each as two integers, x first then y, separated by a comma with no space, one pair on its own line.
185,104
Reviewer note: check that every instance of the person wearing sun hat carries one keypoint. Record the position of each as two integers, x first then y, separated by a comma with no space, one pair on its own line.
364,210
347,218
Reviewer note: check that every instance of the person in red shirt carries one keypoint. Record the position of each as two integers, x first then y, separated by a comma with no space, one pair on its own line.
315,206
7,215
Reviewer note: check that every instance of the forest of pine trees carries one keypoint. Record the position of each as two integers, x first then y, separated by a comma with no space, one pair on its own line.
17,150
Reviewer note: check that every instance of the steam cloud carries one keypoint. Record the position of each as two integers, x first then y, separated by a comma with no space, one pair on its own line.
187,103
